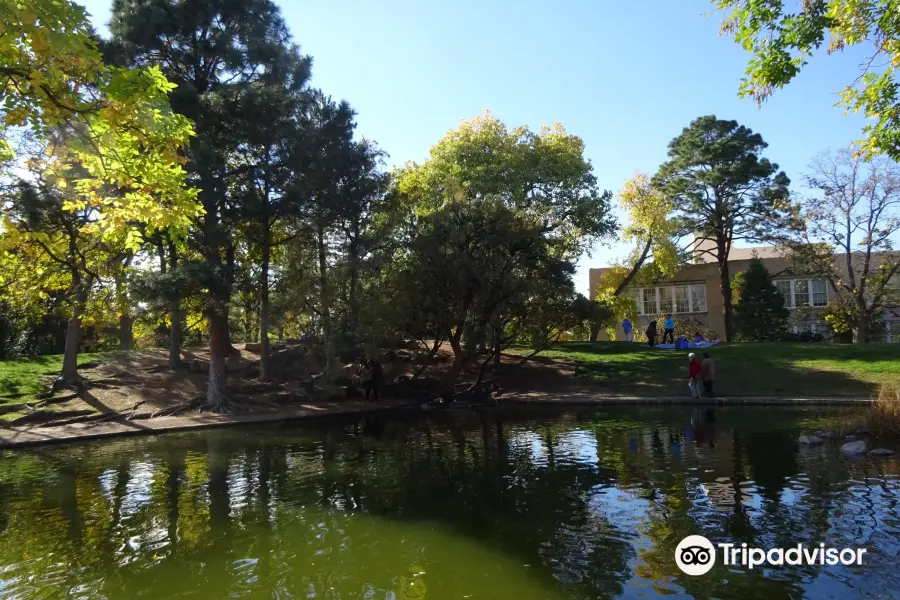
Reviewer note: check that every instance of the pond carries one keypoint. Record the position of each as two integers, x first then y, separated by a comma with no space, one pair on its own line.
522,504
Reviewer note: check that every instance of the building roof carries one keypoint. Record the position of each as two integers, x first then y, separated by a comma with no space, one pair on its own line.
743,254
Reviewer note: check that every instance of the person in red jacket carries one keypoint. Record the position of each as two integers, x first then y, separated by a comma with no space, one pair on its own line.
694,369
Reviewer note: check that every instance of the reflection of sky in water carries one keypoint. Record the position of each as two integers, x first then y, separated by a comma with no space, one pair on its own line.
478,506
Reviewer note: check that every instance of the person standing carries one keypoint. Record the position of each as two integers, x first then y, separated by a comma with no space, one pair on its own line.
669,329
694,368
707,374
651,334
628,329
372,379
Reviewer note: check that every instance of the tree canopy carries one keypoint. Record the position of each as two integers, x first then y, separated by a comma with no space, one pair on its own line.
781,41
723,191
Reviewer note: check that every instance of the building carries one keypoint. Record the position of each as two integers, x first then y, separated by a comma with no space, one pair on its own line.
694,295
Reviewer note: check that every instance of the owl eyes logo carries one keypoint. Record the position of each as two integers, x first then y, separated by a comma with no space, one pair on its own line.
695,555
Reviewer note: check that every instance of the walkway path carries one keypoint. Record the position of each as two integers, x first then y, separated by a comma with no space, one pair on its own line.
26,436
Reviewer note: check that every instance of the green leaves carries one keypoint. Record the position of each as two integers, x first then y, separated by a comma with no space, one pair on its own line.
720,184
759,314
781,43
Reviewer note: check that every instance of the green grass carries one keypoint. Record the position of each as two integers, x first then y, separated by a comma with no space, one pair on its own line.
21,379
746,369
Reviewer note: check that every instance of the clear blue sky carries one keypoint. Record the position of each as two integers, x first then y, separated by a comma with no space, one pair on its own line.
625,76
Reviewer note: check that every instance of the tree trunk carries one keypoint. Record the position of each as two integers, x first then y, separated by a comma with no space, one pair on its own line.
725,288
175,334
459,357
264,366
634,270
73,335
229,287
325,301
219,348
217,303
126,320
353,256
249,329
126,332
861,330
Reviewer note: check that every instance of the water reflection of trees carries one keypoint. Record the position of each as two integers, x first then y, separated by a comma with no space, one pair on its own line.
591,500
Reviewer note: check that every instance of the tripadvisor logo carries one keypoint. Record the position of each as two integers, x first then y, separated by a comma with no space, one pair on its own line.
696,555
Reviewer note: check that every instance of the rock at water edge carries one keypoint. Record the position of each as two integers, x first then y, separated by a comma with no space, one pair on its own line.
857,447
881,452
811,440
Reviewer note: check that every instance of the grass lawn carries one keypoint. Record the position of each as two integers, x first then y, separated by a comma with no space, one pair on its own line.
22,378
743,369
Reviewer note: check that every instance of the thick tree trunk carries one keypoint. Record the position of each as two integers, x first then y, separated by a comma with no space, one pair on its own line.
126,320
860,331
219,348
73,336
217,303
264,366
126,332
459,359
325,302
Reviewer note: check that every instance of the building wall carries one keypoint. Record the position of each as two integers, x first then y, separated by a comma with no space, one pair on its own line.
708,275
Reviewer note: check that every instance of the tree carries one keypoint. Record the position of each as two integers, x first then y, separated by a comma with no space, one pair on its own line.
848,233
60,252
219,53
781,42
486,226
724,191
759,313
269,171
655,254
325,157
114,124
109,162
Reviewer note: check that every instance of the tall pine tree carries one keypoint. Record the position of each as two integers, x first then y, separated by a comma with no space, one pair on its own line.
759,314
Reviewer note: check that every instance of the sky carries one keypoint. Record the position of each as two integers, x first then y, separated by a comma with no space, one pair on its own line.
626,77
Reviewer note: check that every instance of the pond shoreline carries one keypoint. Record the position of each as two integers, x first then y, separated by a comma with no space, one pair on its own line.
14,437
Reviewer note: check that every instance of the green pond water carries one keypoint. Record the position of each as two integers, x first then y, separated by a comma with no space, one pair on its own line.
517,504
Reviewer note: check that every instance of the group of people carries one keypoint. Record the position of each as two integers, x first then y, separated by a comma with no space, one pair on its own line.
651,331
701,375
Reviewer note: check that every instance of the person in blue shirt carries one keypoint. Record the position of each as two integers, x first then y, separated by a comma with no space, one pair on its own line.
669,330
628,329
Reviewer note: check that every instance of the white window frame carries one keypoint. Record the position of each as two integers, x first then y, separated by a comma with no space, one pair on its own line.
693,303
789,299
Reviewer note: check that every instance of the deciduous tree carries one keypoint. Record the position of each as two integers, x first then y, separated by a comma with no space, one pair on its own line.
850,226
781,41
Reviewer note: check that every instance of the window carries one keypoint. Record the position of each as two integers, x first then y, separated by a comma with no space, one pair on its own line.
785,288
670,299
649,301
681,304
819,292
803,292
665,299
698,298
